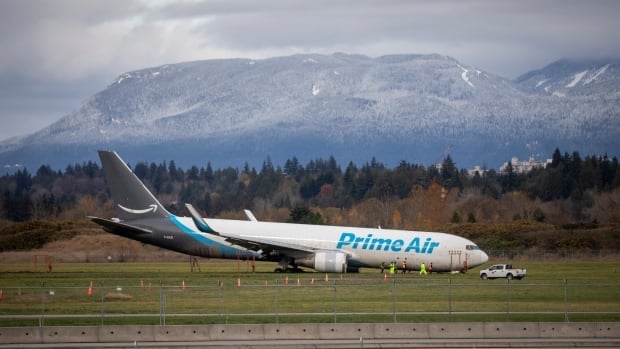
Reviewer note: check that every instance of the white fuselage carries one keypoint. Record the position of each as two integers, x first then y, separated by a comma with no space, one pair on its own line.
366,247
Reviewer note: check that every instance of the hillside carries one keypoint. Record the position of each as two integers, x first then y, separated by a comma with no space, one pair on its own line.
81,241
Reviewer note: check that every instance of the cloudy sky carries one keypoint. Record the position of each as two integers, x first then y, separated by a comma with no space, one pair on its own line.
56,53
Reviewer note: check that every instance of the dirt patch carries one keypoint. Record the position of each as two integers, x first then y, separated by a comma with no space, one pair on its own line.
117,296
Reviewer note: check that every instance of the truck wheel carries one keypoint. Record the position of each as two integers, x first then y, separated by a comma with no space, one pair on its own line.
509,276
484,276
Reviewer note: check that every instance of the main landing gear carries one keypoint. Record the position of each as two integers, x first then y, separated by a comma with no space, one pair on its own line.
288,270
287,265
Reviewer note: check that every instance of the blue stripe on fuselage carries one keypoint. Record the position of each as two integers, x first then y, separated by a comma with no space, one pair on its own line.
225,250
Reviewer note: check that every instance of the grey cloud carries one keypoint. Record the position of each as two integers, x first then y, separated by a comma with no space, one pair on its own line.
46,37
527,31
67,43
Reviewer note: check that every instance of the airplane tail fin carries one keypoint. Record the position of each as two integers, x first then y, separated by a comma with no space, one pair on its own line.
132,198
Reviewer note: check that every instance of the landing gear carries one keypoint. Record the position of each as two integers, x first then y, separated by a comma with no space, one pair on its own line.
287,265
288,270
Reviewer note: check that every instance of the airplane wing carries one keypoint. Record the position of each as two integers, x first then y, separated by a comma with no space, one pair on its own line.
270,247
267,247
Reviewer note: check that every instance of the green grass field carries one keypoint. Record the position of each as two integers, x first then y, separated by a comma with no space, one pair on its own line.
153,293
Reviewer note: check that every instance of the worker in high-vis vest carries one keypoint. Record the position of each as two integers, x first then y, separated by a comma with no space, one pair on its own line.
422,269
392,267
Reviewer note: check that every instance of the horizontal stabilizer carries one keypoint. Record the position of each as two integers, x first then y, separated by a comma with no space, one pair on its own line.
119,228
200,223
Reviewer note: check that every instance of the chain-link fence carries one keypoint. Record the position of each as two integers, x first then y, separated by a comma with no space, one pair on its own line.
291,300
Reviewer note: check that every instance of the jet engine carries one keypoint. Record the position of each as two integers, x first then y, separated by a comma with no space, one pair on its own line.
326,262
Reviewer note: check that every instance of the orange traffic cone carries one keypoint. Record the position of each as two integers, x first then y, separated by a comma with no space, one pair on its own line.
148,289
286,281
183,284
385,276
312,281
298,282
90,289
326,277
1,295
266,283
238,282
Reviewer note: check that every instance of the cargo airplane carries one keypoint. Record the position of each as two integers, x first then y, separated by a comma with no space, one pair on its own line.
323,248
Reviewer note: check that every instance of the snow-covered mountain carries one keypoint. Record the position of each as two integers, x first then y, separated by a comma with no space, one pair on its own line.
399,107
565,78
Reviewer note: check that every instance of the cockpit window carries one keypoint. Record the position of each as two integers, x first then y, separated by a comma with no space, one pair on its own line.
472,247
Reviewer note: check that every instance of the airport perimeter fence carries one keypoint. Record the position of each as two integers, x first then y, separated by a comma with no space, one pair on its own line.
395,299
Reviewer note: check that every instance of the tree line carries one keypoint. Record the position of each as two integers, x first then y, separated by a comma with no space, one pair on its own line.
570,189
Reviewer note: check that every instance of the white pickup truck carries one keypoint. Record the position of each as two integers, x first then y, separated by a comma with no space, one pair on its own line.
502,271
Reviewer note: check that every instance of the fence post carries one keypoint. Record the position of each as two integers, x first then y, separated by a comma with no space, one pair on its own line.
42,318
102,302
450,299
277,302
162,302
394,300
220,286
508,299
335,307
565,300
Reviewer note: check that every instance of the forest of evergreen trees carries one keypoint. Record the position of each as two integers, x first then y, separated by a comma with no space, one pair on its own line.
571,189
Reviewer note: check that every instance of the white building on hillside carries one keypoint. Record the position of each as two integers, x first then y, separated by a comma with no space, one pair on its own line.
521,167
477,169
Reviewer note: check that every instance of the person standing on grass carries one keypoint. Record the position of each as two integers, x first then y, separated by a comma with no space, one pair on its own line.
422,269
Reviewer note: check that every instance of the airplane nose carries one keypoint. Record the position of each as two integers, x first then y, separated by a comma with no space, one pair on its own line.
483,257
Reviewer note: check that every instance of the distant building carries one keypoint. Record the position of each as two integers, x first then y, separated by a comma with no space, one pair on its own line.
522,167
477,169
